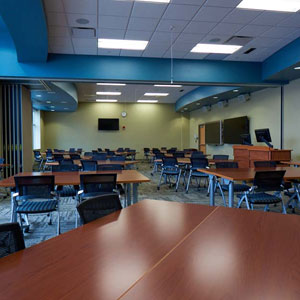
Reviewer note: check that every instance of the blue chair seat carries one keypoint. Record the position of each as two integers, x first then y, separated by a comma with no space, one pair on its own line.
67,191
237,187
28,207
167,172
261,198
199,174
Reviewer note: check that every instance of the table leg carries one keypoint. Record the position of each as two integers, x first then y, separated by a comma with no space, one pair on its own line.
135,192
13,214
212,182
231,194
128,195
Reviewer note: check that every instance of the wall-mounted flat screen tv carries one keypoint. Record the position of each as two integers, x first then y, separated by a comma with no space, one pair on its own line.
213,133
234,129
108,124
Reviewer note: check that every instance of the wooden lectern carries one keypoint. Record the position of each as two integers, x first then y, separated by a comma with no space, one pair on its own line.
246,155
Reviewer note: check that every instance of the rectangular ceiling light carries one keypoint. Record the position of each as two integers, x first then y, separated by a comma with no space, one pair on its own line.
275,5
157,94
109,93
111,84
147,101
168,85
122,44
106,100
155,1
215,48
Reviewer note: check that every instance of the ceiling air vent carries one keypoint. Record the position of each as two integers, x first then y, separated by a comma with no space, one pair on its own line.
239,40
249,50
82,32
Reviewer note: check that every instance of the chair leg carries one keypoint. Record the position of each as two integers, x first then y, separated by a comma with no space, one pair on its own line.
240,202
161,174
188,182
58,223
283,207
178,179
247,203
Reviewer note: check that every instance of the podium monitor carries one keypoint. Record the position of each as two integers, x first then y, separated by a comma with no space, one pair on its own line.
246,139
263,136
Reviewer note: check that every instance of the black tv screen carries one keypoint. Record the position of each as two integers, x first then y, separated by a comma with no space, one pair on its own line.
108,124
213,133
234,129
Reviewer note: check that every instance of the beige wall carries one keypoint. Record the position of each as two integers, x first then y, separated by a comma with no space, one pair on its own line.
27,130
147,125
263,111
42,126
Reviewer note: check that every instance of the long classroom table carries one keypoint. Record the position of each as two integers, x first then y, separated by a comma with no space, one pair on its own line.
130,178
163,250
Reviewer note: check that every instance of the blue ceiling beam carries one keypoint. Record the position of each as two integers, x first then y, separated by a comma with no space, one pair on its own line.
281,60
26,22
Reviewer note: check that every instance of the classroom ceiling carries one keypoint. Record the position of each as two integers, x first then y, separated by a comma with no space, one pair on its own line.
75,25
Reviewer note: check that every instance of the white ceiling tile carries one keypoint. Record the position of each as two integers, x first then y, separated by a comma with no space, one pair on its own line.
62,49
292,21
84,43
157,48
191,55
115,8
85,51
270,18
263,42
165,25
59,31
189,2
199,27
160,36
56,19
60,41
72,20
253,30
138,35
153,54
113,22
211,14
183,46
145,24
110,52
80,6
214,56
294,35
223,3
111,33
53,6
180,12
131,53
226,29
189,38
279,32
175,54
241,16
148,10
216,39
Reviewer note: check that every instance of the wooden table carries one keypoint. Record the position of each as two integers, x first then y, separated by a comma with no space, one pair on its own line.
158,250
130,178
241,174
291,163
187,161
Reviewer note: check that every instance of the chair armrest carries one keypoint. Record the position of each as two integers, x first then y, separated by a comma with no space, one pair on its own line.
80,192
14,195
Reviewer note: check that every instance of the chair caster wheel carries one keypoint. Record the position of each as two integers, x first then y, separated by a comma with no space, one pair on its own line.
26,230
50,223
158,188
151,174
293,211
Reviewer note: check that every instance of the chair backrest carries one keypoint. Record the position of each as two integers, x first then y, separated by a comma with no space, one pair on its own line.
109,167
75,156
178,154
171,151
89,165
159,155
169,161
106,150
2,160
267,181
99,156
126,149
79,150
117,158
88,153
97,207
265,164
66,162
227,165
197,154
155,150
199,163
110,153
99,149
98,183
72,150
65,168
120,150
35,186
146,150
94,152
220,157
37,154
163,148
11,239
58,157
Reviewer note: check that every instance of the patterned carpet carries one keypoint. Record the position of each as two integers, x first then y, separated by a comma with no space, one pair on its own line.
40,230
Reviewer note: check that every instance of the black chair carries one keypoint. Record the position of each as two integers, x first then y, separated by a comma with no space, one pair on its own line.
35,195
171,151
11,239
220,157
265,164
88,153
38,159
163,148
146,153
79,150
65,168
98,207
197,163
66,162
100,150
58,157
99,156
72,150
198,154
110,153
224,186
178,154
75,156
120,150
117,158
170,169
109,167
264,182
97,184
89,165
157,162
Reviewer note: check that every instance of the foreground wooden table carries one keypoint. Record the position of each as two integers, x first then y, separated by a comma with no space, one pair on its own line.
161,250
130,178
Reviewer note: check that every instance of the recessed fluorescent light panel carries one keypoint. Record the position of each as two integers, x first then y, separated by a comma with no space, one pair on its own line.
215,48
154,1
111,84
168,85
122,44
109,93
275,5
297,68
106,100
147,101
157,94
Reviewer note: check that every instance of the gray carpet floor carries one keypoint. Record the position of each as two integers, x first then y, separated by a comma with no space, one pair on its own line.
41,231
